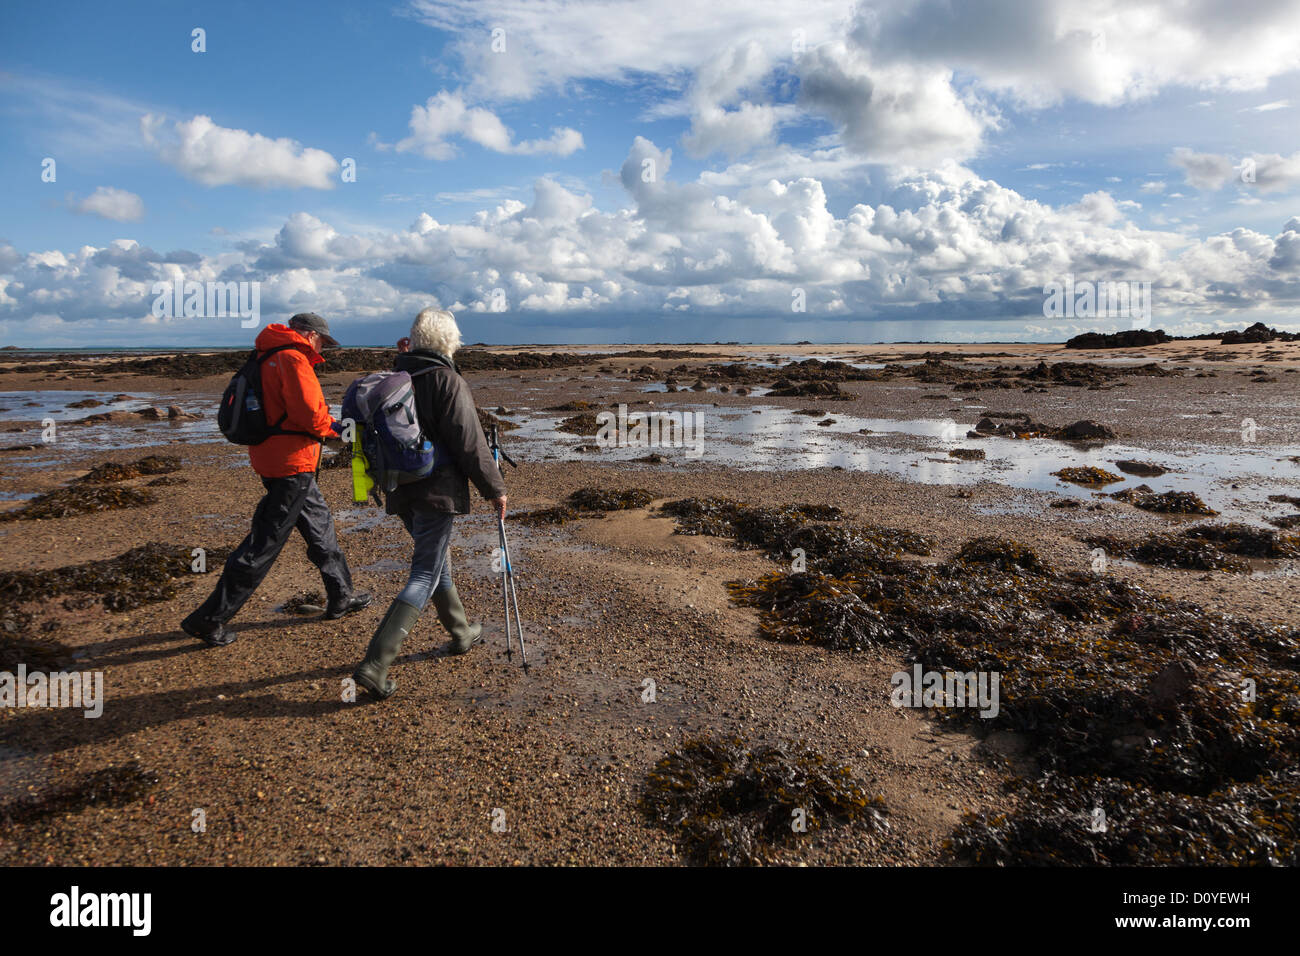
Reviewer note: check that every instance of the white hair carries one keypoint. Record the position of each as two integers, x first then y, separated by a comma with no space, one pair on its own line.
435,330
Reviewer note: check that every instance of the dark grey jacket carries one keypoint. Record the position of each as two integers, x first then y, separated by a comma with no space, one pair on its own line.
447,415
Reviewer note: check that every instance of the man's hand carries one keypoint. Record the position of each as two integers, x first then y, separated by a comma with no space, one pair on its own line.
500,505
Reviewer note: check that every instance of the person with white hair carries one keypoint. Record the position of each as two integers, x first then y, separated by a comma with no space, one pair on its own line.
448,417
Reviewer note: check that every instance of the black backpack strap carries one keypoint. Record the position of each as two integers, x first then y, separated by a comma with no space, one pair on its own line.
263,356
275,428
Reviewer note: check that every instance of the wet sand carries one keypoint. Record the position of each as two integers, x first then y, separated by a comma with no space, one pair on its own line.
286,773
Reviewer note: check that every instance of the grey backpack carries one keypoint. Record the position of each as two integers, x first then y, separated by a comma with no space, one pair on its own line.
383,407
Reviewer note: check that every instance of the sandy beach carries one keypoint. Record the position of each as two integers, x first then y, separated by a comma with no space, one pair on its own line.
285,772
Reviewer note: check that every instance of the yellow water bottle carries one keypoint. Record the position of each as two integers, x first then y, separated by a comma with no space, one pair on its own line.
361,480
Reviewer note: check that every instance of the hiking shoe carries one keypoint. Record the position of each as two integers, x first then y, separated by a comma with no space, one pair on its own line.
213,635
357,602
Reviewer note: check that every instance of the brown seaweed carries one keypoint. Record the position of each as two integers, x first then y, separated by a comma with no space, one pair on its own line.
1170,551
733,805
111,471
785,388
144,575
558,514
1071,821
584,423
1088,476
601,499
1105,681
80,499
1246,540
1167,502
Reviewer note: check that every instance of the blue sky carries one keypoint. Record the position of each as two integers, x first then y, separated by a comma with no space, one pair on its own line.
908,170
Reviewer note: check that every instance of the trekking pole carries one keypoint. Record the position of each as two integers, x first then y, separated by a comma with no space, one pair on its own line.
505,587
514,597
509,591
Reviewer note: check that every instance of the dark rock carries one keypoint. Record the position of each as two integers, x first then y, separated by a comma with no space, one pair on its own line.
1143,469
1086,430
1118,340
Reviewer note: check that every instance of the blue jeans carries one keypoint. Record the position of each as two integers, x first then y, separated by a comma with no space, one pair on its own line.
431,559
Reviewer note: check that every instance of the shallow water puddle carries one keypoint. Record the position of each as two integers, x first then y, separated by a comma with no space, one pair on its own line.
35,406
54,403
786,359
771,438
754,390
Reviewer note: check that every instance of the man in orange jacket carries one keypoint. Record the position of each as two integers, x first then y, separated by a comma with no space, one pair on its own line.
288,463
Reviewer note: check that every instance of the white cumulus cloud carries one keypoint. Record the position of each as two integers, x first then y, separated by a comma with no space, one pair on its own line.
217,156
446,117
108,202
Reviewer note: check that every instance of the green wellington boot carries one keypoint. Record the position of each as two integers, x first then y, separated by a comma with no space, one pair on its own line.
372,673
452,615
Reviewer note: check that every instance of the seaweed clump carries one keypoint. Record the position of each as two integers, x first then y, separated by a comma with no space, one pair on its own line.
1205,547
736,806
1170,551
1175,502
111,471
586,503
584,423
1112,687
1166,502
145,575
1088,476
814,608
1251,824
1243,539
831,391
87,499
782,531
1004,554
600,499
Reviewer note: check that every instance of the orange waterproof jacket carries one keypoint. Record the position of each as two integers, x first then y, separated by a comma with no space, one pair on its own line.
290,389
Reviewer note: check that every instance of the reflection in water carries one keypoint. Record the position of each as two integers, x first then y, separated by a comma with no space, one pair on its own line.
34,406
917,449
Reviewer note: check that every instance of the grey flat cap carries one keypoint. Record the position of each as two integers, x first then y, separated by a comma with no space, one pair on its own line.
310,321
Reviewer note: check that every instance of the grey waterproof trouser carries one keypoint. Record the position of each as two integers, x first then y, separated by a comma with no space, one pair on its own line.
289,503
